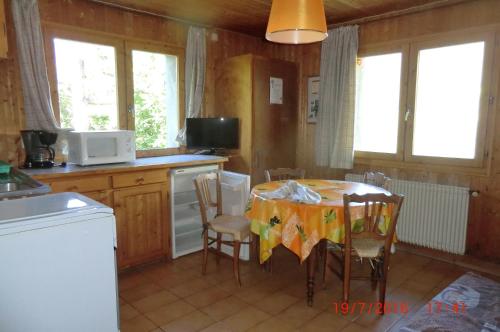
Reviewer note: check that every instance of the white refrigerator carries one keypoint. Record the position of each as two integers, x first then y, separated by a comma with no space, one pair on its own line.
186,220
58,267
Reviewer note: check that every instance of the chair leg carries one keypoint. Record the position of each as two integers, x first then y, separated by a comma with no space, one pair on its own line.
205,252
236,261
347,275
383,282
375,275
219,243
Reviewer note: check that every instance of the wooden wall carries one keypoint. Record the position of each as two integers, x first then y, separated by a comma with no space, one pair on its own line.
484,228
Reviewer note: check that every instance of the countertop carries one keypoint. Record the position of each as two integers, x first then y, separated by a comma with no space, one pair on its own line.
172,161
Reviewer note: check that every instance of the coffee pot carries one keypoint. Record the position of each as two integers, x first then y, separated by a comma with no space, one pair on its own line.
37,145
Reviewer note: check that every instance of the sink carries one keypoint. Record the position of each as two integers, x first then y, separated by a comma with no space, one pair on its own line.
18,184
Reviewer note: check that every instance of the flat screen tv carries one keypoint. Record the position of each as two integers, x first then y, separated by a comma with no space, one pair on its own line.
212,133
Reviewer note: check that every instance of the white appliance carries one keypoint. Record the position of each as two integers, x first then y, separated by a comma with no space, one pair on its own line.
186,220
58,267
101,147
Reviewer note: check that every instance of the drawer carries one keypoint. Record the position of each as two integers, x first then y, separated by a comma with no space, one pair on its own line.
91,183
138,178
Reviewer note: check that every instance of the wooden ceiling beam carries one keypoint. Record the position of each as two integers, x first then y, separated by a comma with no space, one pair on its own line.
400,12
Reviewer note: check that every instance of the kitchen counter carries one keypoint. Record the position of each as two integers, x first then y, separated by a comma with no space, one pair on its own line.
172,161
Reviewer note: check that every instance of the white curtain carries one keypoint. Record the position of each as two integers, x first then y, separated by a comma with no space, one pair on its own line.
335,123
195,76
35,83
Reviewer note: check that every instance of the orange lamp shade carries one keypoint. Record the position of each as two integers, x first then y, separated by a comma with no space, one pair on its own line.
296,22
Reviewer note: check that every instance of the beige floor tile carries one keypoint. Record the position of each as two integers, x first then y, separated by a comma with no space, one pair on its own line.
272,324
206,297
245,319
224,308
137,324
326,322
218,327
298,314
170,312
128,312
132,280
194,321
154,301
275,303
140,292
190,287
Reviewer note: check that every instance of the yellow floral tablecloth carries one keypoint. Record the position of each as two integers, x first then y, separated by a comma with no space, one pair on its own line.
300,226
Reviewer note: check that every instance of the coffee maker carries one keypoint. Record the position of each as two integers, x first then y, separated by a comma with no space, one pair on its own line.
37,145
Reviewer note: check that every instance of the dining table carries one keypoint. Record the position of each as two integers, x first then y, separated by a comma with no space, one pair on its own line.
301,225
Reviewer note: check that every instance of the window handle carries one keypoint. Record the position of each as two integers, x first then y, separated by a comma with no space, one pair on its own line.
407,114
131,110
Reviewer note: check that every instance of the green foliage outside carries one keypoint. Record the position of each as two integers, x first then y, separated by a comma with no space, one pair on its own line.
150,119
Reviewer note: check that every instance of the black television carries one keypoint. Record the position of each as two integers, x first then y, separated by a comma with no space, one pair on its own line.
212,133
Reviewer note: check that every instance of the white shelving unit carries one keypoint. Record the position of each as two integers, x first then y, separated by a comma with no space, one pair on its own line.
186,220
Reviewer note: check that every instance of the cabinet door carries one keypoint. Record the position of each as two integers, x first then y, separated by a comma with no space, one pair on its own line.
3,31
142,224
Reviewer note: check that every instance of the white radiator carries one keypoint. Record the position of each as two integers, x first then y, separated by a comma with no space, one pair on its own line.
433,215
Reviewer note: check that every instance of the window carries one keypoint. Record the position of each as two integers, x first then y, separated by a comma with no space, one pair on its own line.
102,82
437,114
377,103
448,92
156,100
86,85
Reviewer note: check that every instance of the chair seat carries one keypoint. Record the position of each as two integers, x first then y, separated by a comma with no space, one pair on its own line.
367,248
237,226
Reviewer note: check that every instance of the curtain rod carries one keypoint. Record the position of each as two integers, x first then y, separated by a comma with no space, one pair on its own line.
401,12
140,11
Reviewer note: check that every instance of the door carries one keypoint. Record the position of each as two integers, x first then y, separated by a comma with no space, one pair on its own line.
142,223
155,100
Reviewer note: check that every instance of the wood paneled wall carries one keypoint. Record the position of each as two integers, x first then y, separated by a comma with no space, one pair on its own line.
484,228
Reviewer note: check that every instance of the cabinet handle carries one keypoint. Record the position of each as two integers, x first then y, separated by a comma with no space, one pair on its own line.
73,188
141,179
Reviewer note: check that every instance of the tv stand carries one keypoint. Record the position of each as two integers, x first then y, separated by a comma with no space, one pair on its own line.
212,152
206,152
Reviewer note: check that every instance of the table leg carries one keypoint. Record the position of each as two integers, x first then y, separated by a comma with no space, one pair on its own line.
311,269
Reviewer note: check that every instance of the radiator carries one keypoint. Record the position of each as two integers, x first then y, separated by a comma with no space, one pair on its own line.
433,216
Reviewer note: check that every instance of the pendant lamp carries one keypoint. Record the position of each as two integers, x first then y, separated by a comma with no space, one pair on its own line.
296,22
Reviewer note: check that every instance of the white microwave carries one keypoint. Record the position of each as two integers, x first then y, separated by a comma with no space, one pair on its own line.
101,147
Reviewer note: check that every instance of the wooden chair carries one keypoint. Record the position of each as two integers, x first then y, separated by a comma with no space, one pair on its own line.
284,174
377,179
369,242
236,226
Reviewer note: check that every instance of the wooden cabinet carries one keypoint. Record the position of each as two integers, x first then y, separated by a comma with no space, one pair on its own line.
142,222
3,33
102,196
140,203
268,132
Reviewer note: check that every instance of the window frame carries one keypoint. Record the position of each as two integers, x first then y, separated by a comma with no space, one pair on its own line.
489,43
402,48
123,50
51,33
404,157
154,48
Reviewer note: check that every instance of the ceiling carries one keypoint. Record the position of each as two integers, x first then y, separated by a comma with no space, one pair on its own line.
250,16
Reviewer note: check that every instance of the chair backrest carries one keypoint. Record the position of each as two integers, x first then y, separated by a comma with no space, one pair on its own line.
369,208
284,174
202,184
377,179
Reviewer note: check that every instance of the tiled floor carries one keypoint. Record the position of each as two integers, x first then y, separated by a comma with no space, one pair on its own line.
176,297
